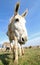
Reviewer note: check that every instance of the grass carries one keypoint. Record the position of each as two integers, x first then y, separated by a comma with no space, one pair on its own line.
31,57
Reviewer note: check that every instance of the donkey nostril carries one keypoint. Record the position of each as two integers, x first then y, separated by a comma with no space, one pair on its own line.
22,39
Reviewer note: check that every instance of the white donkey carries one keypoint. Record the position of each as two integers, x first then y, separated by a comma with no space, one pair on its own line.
17,31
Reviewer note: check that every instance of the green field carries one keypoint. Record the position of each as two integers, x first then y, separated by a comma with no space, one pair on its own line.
31,57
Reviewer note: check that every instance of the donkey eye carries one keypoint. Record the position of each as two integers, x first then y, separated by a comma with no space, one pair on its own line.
16,19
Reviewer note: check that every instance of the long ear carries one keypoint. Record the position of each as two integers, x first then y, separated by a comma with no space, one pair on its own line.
16,8
25,13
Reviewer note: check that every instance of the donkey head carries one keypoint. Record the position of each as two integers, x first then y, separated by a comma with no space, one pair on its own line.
18,25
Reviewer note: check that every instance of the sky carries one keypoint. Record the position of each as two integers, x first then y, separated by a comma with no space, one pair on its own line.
32,19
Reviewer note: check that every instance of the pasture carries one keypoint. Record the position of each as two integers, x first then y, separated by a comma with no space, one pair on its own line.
31,57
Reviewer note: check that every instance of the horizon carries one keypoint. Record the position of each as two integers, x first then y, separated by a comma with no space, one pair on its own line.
33,18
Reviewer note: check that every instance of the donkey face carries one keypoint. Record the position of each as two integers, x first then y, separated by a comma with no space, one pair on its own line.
18,25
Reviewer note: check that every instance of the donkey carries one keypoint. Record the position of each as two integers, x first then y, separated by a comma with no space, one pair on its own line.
17,31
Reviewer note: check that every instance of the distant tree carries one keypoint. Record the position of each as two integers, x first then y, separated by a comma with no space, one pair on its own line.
37,46
30,46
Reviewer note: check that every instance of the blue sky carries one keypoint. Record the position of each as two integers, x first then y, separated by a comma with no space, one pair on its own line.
33,17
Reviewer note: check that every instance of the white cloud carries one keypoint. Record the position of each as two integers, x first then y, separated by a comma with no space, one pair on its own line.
1,42
33,42
35,35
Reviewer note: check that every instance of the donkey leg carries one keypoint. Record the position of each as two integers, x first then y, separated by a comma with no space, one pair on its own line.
15,52
20,54
22,49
